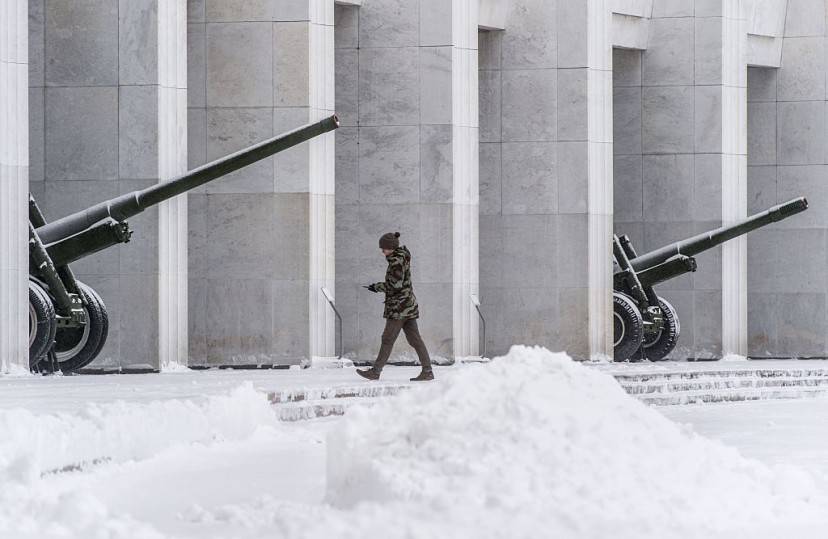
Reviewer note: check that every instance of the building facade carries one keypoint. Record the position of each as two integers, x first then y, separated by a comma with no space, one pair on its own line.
505,139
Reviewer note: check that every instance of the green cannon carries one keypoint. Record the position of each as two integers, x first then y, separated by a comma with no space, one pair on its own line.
645,325
68,322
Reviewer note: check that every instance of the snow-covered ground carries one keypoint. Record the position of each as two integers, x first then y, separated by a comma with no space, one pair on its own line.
529,445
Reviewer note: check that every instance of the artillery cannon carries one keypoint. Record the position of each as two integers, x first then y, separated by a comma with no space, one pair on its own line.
68,322
646,326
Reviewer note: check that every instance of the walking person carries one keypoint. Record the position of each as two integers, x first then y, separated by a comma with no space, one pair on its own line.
401,309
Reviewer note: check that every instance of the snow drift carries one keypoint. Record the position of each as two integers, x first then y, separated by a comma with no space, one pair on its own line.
536,443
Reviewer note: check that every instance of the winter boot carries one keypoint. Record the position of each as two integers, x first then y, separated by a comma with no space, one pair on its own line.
424,376
369,374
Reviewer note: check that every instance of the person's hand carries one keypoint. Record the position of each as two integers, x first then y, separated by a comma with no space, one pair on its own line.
371,287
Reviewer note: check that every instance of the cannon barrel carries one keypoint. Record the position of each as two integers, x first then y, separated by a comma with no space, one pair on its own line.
125,206
708,240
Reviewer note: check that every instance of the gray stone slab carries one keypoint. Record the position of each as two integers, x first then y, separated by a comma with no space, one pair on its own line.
291,10
572,19
572,251
375,220
801,324
389,164
626,68
708,50
240,64
347,241
140,255
762,323
436,164
805,18
431,244
389,86
138,132
230,130
36,38
627,188
672,8
435,85
293,165
490,179
82,43
573,322
197,321
237,313
667,119
708,119
435,23
531,241
527,45
196,10
531,315
138,41
668,186
800,132
761,188
807,181
707,8
197,244
346,301
291,64
347,86
707,192
787,260
529,105
530,182
669,58
239,10
626,120
37,120
196,138
491,250
708,326
573,183
251,235
139,320
761,84
489,106
761,133
802,75
572,104
82,133
346,32
489,44
196,65
347,165
290,321
389,23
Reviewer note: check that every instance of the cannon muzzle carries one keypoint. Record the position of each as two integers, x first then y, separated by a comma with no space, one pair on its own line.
708,240
125,206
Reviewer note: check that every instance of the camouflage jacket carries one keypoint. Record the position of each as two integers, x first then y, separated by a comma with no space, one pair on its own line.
400,301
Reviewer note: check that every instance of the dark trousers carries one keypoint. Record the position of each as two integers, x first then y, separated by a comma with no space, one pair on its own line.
412,335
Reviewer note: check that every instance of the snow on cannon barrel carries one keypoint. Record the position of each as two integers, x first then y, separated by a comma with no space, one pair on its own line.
647,326
68,321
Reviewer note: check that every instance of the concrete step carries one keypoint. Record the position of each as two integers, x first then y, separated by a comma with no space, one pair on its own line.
724,385
300,404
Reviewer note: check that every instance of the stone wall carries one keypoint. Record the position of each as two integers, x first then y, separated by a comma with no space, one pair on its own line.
787,156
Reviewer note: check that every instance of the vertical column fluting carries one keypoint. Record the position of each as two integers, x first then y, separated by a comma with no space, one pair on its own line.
14,184
172,161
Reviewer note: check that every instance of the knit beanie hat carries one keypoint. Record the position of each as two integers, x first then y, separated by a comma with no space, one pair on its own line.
390,241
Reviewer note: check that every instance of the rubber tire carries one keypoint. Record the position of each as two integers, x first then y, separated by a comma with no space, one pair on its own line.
627,318
42,335
665,341
98,322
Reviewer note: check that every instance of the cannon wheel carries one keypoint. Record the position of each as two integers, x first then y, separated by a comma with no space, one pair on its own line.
628,326
76,348
659,345
42,323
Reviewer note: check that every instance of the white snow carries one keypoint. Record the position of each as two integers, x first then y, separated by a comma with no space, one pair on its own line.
528,445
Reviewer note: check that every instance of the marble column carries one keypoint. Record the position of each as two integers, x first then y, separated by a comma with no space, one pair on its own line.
14,185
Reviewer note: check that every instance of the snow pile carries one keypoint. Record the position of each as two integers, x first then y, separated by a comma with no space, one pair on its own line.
33,444
734,357
534,442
